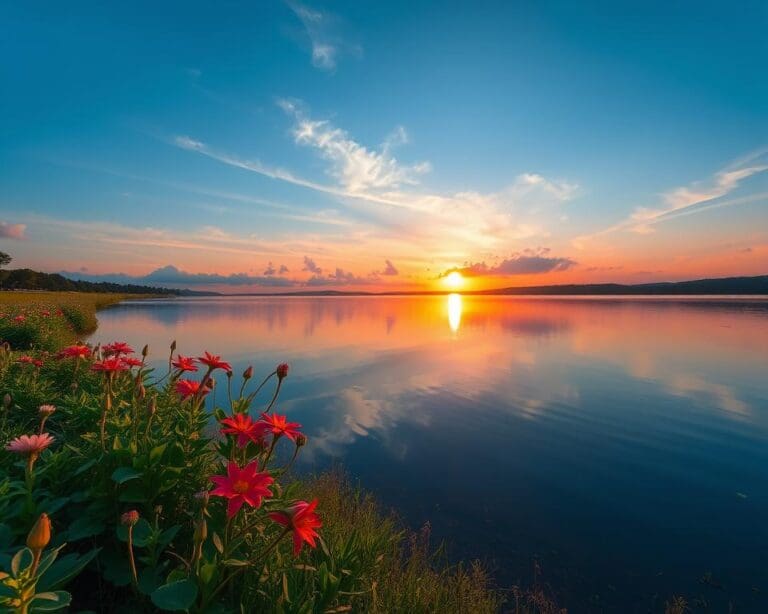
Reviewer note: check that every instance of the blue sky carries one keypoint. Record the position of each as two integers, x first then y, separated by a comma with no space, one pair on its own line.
518,142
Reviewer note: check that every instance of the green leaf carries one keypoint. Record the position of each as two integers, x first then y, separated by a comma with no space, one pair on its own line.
123,474
217,543
207,572
85,466
142,533
175,596
51,601
65,569
157,452
166,537
234,563
17,562
84,526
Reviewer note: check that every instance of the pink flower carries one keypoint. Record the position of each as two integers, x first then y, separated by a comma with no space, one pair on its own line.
302,520
214,362
28,445
279,425
184,363
245,428
241,486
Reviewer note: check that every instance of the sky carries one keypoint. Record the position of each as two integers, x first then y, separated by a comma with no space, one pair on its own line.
355,145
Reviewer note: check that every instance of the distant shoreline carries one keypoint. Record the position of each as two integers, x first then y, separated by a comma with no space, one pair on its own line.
718,287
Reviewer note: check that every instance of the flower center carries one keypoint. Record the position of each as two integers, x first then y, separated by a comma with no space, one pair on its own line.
240,487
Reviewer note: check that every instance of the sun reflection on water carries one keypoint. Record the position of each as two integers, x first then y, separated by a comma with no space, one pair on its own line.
454,311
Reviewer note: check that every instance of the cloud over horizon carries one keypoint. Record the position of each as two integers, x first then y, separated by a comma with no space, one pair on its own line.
12,231
528,262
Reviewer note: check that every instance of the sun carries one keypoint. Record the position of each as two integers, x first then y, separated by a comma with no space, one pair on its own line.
454,280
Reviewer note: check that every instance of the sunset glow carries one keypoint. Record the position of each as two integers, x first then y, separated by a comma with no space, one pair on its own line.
454,280
281,164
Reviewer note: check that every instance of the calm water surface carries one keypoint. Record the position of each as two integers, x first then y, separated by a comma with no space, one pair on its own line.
620,443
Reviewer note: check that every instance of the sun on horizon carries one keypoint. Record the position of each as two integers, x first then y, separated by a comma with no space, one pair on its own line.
454,280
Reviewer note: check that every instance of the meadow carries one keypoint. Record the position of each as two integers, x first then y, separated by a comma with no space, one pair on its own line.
122,491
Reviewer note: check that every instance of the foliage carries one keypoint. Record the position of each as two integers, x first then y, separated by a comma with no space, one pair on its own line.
152,509
27,279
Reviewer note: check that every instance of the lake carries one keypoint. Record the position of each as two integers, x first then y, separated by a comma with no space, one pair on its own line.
614,449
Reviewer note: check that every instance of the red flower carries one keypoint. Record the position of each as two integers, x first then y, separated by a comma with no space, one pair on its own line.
302,520
129,518
45,313
131,362
245,428
185,363
109,365
117,348
282,370
241,486
75,351
214,362
188,388
20,319
278,425
26,360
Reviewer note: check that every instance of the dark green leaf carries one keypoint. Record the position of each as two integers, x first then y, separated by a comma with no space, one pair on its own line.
175,596
123,474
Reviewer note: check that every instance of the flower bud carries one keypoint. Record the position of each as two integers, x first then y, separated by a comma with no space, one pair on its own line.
46,410
248,373
130,518
201,531
152,407
301,440
203,496
7,401
229,373
173,346
141,392
282,370
145,351
40,534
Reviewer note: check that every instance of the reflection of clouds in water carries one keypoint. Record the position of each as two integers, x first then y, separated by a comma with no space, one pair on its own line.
355,414
641,365
723,396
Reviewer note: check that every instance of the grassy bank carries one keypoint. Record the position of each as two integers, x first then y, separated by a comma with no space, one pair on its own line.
125,480
48,320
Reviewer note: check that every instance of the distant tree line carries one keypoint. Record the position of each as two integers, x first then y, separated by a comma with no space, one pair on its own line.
27,279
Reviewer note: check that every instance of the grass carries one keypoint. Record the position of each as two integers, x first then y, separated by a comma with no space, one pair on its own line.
43,332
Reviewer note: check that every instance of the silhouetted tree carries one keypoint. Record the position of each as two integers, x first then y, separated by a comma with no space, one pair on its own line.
5,259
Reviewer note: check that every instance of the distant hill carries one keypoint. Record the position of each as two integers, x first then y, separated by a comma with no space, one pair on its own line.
721,286
27,279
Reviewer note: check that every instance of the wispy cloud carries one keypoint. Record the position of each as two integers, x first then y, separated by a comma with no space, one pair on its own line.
402,213
356,168
12,231
321,29
693,198
389,269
